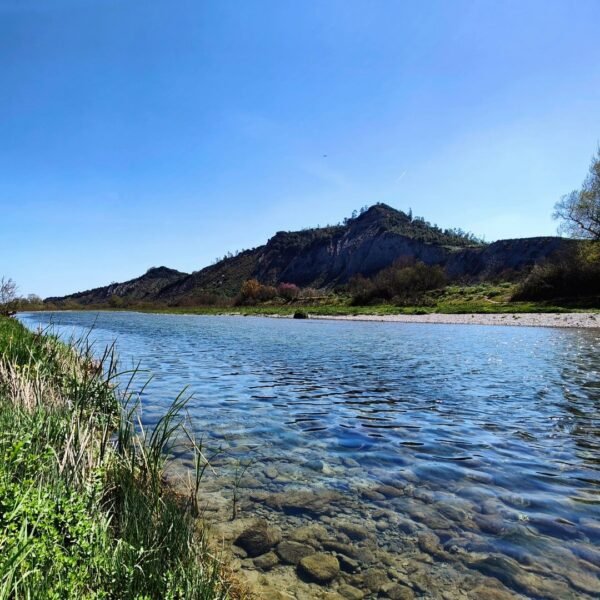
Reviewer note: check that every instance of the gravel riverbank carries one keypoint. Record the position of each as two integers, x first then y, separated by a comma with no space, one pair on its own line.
572,320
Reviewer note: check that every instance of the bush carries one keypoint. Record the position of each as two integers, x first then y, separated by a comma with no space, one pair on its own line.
573,273
402,283
288,291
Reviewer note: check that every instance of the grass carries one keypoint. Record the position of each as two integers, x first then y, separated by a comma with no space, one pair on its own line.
84,508
453,299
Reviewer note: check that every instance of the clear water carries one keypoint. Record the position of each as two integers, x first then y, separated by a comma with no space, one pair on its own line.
500,423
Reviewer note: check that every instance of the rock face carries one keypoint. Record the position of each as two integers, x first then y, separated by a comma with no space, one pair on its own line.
258,539
329,256
320,567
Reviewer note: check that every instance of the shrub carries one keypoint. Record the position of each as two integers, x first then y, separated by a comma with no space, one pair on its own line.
267,292
250,290
288,291
572,273
402,283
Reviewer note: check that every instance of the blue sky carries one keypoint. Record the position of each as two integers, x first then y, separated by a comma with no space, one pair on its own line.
135,134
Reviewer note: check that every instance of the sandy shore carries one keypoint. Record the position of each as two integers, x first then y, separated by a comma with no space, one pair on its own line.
572,320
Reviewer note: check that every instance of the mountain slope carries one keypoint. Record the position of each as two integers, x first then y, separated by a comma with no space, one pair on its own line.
140,289
329,256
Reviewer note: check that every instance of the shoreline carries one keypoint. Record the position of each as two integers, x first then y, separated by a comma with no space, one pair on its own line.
563,320
560,320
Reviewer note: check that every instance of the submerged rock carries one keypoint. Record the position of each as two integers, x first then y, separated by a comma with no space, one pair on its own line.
320,567
353,531
375,580
350,592
301,501
258,538
293,552
430,544
267,561
309,534
397,591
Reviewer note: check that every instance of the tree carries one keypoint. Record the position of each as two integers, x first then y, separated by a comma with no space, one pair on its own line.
579,211
8,296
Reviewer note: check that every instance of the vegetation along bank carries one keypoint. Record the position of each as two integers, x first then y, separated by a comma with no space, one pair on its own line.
84,508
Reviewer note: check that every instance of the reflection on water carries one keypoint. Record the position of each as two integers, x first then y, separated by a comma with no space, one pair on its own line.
490,435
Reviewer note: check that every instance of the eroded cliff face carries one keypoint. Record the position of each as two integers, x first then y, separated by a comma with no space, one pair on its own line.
367,246
329,256
503,256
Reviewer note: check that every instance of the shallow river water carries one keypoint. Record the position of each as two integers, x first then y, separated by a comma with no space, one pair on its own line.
437,461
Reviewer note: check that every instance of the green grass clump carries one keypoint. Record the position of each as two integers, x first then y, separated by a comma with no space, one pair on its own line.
84,510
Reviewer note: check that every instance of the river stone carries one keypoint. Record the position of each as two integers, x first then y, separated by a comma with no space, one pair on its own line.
320,567
512,576
489,524
389,491
267,561
292,553
407,526
350,592
359,553
258,538
309,534
302,501
485,592
398,592
250,483
347,564
354,532
430,544
271,473
315,465
375,579
372,495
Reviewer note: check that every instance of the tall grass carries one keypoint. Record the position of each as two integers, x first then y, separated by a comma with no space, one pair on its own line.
84,509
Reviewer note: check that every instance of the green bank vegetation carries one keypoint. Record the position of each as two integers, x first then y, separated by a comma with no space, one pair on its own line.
84,508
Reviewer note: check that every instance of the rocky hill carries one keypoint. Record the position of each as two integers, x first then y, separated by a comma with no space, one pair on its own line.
328,257
141,289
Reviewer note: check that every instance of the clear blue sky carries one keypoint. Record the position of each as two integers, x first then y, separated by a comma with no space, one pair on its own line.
138,133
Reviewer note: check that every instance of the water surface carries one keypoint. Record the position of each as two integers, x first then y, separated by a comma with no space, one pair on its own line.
491,433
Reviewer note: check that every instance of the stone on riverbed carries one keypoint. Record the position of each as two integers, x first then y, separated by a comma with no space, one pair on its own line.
293,552
350,592
309,534
397,591
303,501
319,567
353,531
375,580
267,561
258,539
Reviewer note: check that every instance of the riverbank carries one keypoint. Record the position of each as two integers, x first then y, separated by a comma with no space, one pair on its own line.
84,510
568,320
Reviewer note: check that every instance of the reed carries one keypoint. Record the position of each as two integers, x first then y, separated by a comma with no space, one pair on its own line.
84,508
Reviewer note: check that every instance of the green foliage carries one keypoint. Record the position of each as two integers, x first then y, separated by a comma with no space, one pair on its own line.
571,274
579,211
84,511
403,283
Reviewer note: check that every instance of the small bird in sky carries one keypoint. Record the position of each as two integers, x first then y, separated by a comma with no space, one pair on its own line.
324,155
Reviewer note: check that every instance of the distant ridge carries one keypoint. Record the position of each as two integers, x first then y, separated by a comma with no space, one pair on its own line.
327,257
